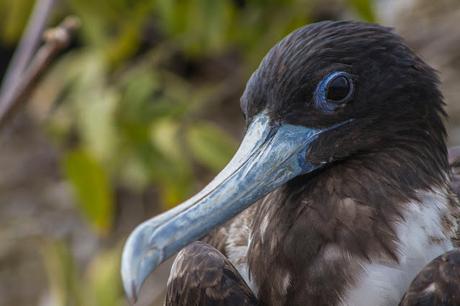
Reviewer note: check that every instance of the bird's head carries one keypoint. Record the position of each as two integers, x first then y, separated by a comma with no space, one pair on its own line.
325,93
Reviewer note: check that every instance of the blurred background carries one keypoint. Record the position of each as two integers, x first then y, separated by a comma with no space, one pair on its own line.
139,113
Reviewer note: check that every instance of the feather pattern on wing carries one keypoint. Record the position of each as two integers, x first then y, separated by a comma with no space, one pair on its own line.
202,276
438,284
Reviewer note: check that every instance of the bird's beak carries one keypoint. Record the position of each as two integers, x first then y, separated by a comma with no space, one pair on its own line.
269,156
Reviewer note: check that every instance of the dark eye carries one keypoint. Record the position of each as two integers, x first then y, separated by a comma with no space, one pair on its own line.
334,91
339,88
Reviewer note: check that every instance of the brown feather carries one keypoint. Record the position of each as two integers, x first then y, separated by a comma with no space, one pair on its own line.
202,276
454,162
307,240
438,284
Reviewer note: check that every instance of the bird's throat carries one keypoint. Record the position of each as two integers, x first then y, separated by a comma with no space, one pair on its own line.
311,236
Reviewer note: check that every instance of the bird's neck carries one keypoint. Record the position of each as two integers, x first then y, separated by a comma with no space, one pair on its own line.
349,208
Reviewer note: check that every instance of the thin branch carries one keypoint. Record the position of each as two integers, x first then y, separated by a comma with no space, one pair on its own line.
55,40
26,47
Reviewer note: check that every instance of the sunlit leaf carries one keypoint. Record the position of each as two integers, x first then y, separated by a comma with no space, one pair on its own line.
175,175
92,105
92,189
97,123
165,134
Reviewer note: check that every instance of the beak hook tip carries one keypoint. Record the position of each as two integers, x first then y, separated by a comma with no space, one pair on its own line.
133,296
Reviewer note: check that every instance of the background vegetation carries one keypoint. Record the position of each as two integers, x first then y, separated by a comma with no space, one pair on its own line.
135,117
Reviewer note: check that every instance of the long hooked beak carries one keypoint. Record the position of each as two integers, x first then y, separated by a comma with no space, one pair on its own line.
269,156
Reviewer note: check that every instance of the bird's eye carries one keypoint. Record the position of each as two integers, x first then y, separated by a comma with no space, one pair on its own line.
338,89
334,91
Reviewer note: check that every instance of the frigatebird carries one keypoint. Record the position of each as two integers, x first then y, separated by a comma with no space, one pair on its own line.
339,194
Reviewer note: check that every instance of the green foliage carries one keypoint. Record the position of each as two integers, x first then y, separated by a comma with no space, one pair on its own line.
92,188
62,274
210,145
98,285
133,106
102,280
13,17
364,8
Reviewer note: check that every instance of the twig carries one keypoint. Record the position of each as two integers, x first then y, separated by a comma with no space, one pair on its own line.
55,40
26,47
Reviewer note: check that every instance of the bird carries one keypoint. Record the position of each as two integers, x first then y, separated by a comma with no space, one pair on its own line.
341,192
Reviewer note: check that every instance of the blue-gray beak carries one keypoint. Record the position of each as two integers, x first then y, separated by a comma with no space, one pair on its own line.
269,156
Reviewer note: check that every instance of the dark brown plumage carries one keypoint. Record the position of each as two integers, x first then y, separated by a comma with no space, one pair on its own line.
396,148
454,162
202,276
438,284
373,207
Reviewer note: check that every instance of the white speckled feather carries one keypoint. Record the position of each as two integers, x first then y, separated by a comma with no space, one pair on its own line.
422,237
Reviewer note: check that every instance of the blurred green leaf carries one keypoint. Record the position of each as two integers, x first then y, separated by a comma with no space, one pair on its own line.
98,285
92,189
92,103
103,284
63,278
364,8
165,135
210,145
207,22
96,119
174,173
13,18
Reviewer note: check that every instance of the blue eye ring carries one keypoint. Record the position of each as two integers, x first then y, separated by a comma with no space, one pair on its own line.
328,105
